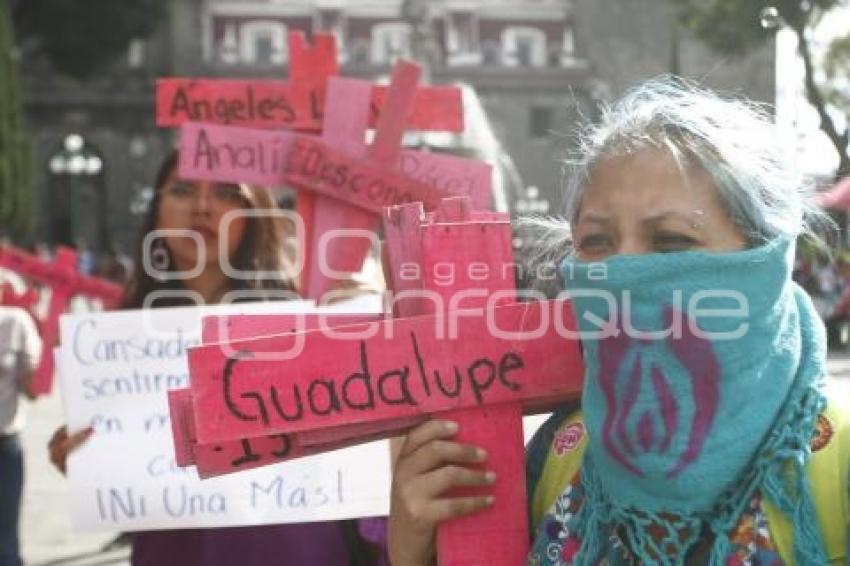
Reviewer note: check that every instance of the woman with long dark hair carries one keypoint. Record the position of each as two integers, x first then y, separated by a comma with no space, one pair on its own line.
184,214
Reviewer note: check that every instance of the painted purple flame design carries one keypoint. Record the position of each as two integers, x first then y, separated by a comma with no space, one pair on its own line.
697,356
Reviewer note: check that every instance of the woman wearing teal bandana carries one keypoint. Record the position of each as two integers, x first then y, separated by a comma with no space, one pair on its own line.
706,434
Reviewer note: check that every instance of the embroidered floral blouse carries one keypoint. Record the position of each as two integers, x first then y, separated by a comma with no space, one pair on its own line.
559,444
555,545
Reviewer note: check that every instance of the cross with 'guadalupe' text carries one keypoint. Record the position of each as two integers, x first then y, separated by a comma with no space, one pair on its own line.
304,162
464,350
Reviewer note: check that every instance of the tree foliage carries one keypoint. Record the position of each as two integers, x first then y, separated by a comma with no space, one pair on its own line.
736,27
730,27
837,70
81,37
16,171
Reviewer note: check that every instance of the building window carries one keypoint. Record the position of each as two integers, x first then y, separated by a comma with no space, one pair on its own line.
524,47
390,41
491,53
263,43
540,121
333,21
462,38
358,52
569,42
568,48
229,50
136,53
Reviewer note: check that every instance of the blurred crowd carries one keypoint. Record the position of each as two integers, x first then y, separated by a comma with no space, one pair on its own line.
113,264
827,281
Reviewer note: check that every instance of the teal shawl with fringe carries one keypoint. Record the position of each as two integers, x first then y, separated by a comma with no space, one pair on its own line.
703,385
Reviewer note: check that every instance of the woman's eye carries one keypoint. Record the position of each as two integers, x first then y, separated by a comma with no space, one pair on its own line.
594,244
671,242
231,194
181,189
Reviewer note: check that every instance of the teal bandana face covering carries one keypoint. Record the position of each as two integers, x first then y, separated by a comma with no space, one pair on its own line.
703,376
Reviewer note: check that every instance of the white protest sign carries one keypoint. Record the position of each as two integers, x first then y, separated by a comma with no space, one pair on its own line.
115,370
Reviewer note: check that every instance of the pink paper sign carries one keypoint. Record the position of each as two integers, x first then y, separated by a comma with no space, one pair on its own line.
243,155
274,104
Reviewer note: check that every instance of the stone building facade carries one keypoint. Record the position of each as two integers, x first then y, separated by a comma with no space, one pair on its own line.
538,67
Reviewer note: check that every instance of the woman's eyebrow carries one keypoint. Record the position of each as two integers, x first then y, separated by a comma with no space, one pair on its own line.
592,218
670,214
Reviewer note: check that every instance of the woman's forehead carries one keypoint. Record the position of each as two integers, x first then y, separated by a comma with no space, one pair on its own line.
648,176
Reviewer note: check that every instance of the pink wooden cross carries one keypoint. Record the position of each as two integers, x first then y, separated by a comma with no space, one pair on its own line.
352,181
226,457
297,104
65,281
475,240
300,105
505,359
28,300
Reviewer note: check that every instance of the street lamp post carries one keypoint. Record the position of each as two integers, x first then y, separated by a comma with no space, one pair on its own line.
75,160
529,203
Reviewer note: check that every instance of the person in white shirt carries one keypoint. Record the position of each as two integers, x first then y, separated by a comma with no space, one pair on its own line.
20,351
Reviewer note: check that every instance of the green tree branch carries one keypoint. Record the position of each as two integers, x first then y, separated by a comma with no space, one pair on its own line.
734,27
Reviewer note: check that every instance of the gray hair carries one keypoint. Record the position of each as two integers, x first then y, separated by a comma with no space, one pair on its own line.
735,141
